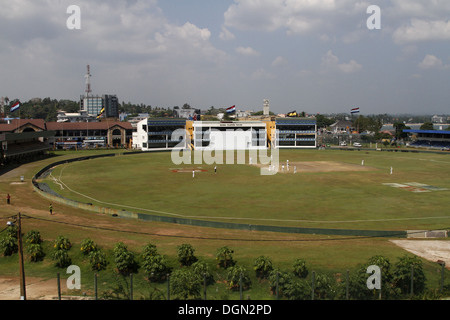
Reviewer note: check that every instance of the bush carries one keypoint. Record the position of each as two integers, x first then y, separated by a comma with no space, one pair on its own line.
324,287
234,278
201,269
12,231
224,257
62,243
124,259
62,258
156,267
9,245
186,255
402,275
296,289
33,237
186,284
263,267
88,246
300,269
97,259
36,252
284,278
148,251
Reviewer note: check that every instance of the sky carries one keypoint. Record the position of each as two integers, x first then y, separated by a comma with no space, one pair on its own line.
317,56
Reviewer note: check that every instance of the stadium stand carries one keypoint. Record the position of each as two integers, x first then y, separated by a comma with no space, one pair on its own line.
431,139
23,140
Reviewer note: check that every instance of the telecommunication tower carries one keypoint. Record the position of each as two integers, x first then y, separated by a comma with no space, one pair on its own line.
88,81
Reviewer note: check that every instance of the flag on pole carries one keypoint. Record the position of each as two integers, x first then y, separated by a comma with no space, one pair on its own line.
101,113
354,110
15,106
231,109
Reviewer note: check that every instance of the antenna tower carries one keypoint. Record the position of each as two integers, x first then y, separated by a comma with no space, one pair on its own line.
88,81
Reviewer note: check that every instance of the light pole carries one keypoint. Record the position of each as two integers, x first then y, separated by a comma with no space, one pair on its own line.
23,294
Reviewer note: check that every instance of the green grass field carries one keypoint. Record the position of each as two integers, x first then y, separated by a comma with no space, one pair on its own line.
238,193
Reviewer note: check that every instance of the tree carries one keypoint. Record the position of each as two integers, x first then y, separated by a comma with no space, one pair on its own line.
36,252
300,269
427,126
289,286
387,289
322,121
263,267
224,257
62,258
186,254
33,237
324,286
237,276
186,284
296,289
399,127
8,245
402,275
97,259
88,246
149,250
124,259
62,243
201,269
155,267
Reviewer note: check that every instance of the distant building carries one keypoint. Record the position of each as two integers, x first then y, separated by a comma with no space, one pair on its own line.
111,104
437,119
342,126
93,105
295,133
81,116
186,113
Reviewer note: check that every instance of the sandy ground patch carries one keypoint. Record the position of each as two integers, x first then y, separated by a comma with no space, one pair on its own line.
321,166
36,289
432,250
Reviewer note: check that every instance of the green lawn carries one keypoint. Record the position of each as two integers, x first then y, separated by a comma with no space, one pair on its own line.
238,193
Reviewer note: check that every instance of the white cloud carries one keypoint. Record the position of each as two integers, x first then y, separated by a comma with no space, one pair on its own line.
421,30
261,74
297,16
226,34
294,16
434,9
247,51
279,61
432,62
331,62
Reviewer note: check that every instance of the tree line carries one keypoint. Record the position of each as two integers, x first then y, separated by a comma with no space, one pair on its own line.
399,280
47,109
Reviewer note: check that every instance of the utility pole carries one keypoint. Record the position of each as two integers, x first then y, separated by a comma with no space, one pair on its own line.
23,295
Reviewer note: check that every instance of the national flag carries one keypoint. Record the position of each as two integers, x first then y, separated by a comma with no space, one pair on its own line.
231,109
354,110
15,106
101,112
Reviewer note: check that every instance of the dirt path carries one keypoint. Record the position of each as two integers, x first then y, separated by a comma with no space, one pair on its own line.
36,288
432,250
319,166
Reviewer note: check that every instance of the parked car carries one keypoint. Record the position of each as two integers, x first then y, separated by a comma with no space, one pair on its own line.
357,144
